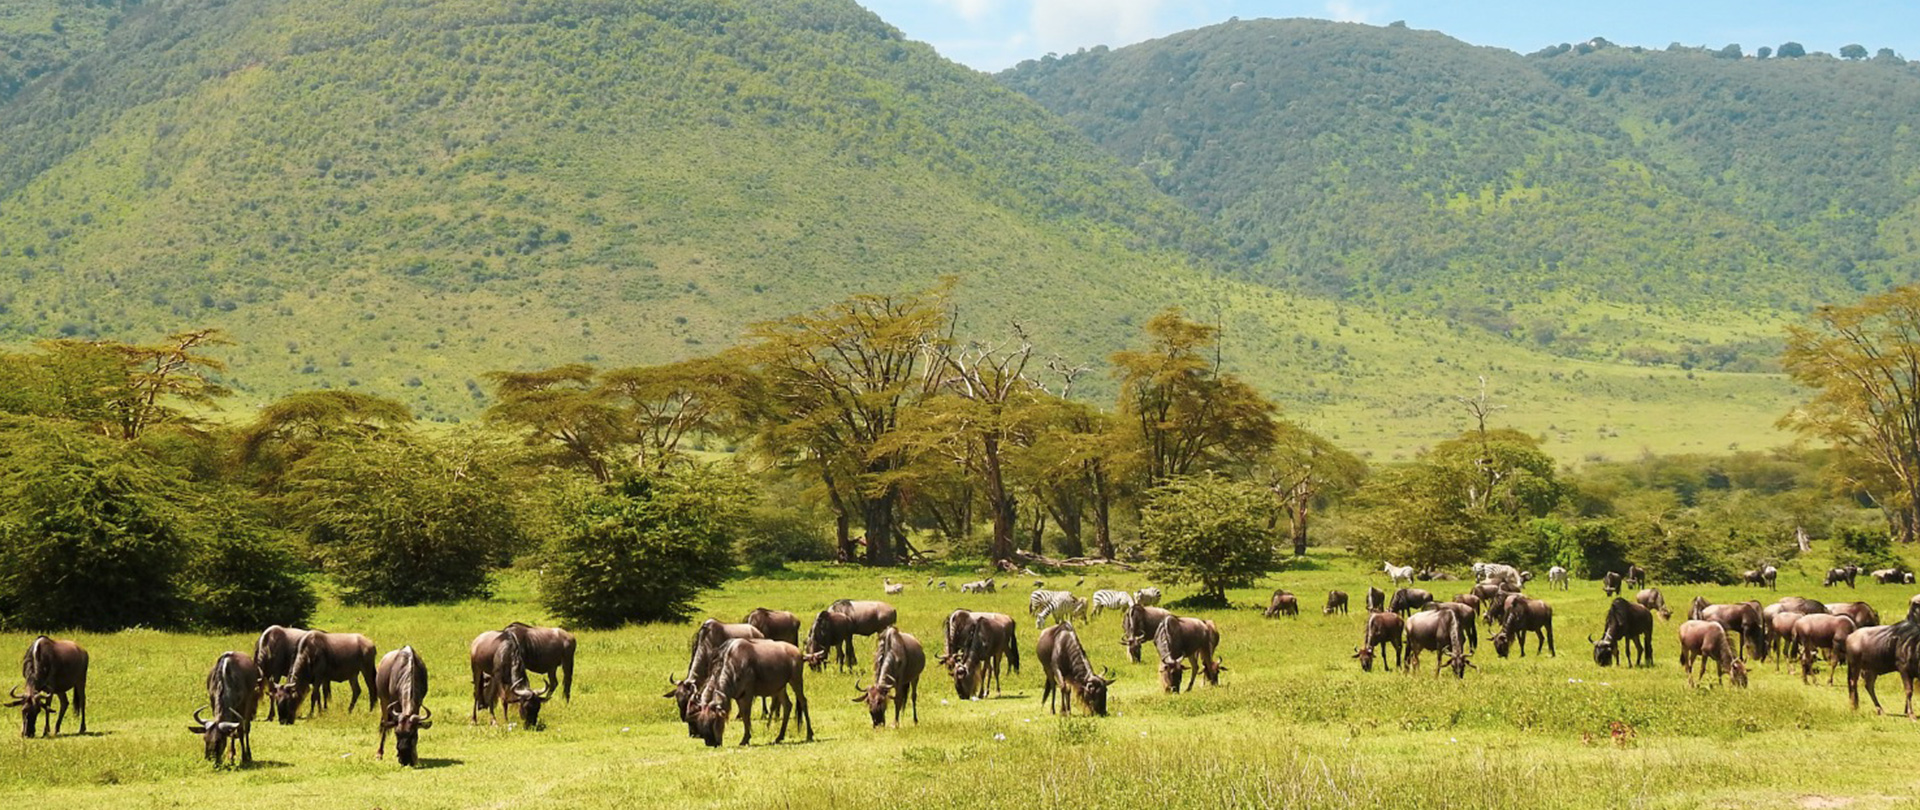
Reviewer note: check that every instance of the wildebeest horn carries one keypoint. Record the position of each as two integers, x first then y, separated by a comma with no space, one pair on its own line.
1590,639
425,713
15,693
671,681
551,685
196,715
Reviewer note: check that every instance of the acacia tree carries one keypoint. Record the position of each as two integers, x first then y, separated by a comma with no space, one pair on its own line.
1302,469
137,387
836,383
562,406
1207,530
1863,363
658,407
1186,413
1073,456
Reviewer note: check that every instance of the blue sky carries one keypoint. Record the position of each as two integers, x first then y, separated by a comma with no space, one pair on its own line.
995,34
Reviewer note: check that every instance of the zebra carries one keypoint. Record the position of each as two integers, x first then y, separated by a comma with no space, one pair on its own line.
1061,605
1557,577
1110,600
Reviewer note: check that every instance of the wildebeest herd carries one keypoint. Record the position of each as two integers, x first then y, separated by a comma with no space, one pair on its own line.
766,655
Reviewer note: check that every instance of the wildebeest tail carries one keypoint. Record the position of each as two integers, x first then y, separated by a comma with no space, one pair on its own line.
1013,647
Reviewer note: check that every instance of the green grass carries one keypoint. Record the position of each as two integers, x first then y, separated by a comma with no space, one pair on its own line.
1294,722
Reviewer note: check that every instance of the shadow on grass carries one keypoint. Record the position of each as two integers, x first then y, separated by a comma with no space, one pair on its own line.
427,764
263,764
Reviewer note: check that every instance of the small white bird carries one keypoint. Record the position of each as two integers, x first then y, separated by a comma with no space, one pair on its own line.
893,587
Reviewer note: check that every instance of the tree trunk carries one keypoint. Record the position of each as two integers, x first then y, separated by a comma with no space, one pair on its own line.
842,522
1000,501
1067,515
1103,521
1299,525
877,514
1039,528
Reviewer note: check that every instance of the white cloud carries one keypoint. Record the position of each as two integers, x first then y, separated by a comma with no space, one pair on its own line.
1063,25
1349,11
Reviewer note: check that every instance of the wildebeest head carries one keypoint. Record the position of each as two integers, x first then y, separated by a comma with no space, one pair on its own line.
406,735
216,734
1602,650
1501,642
961,667
1459,664
1365,654
683,693
285,699
30,708
1211,671
530,702
1094,690
1739,672
875,697
1171,670
710,721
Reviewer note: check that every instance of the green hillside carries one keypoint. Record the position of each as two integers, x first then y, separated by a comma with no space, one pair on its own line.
398,197
1401,168
39,37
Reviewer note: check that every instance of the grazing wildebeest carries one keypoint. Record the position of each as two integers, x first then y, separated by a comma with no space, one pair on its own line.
1408,600
1701,640
1845,573
1780,635
1628,625
831,632
1486,590
400,690
1870,654
1185,643
1466,615
1741,619
1105,599
1148,596
869,617
1283,604
778,625
1801,604
546,651
1470,601
1065,663
1771,575
1497,607
321,660
1382,628
1376,599
1753,577
1887,576
233,695
702,652
51,669
1437,630
1636,576
1610,584
1557,577
1862,614
1061,606
1396,573
1336,602
1821,636
1523,616
976,644
898,661
273,654
1653,599
749,668
1138,627
500,677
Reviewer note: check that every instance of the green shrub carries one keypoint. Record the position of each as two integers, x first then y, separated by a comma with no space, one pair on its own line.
243,577
643,548
1866,547
1208,530
774,536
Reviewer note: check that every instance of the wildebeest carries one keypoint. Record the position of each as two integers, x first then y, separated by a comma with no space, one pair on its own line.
831,632
1870,654
1628,625
1523,616
976,644
273,654
320,660
1465,614
1397,573
1184,643
1771,575
1437,630
1408,600
1610,583
1067,669
1470,601
1336,602
1147,596
1382,628
1557,577
1887,576
1376,599
499,663
1821,636
1845,573
1741,619
778,625
1862,614
233,695
1061,606
400,690
1780,635
869,617
50,670
545,651
1753,577
1801,604
1138,627
1486,590
1496,607
1701,640
746,669
1104,599
1283,604
898,661
1636,576
1653,599
702,652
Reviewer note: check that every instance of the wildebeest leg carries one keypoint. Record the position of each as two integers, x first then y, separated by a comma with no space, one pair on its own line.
784,708
1193,671
915,686
246,744
355,699
744,705
80,706
381,751
62,718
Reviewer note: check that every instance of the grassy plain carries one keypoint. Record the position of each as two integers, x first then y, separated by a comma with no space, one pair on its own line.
1294,723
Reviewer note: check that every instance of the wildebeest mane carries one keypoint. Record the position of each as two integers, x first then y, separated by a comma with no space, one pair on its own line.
1071,658
31,667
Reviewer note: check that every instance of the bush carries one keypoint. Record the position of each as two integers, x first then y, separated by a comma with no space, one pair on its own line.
643,548
1208,530
244,577
773,537
90,531
405,521
1865,547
